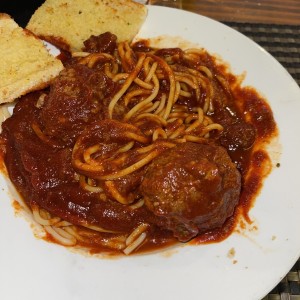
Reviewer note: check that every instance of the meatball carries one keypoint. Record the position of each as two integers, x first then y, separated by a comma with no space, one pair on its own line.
193,187
238,135
105,42
76,99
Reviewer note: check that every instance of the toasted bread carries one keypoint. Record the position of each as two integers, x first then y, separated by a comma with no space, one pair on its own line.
68,23
26,65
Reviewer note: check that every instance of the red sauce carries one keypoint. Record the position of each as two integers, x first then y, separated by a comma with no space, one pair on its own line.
243,111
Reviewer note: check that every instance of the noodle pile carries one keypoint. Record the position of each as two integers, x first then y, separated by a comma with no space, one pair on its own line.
168,100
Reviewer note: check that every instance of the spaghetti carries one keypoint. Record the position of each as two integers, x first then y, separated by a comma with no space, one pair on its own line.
132,107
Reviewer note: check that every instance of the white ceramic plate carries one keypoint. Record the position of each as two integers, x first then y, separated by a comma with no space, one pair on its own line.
33,269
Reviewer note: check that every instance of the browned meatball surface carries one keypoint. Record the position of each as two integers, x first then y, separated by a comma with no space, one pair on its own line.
194,187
